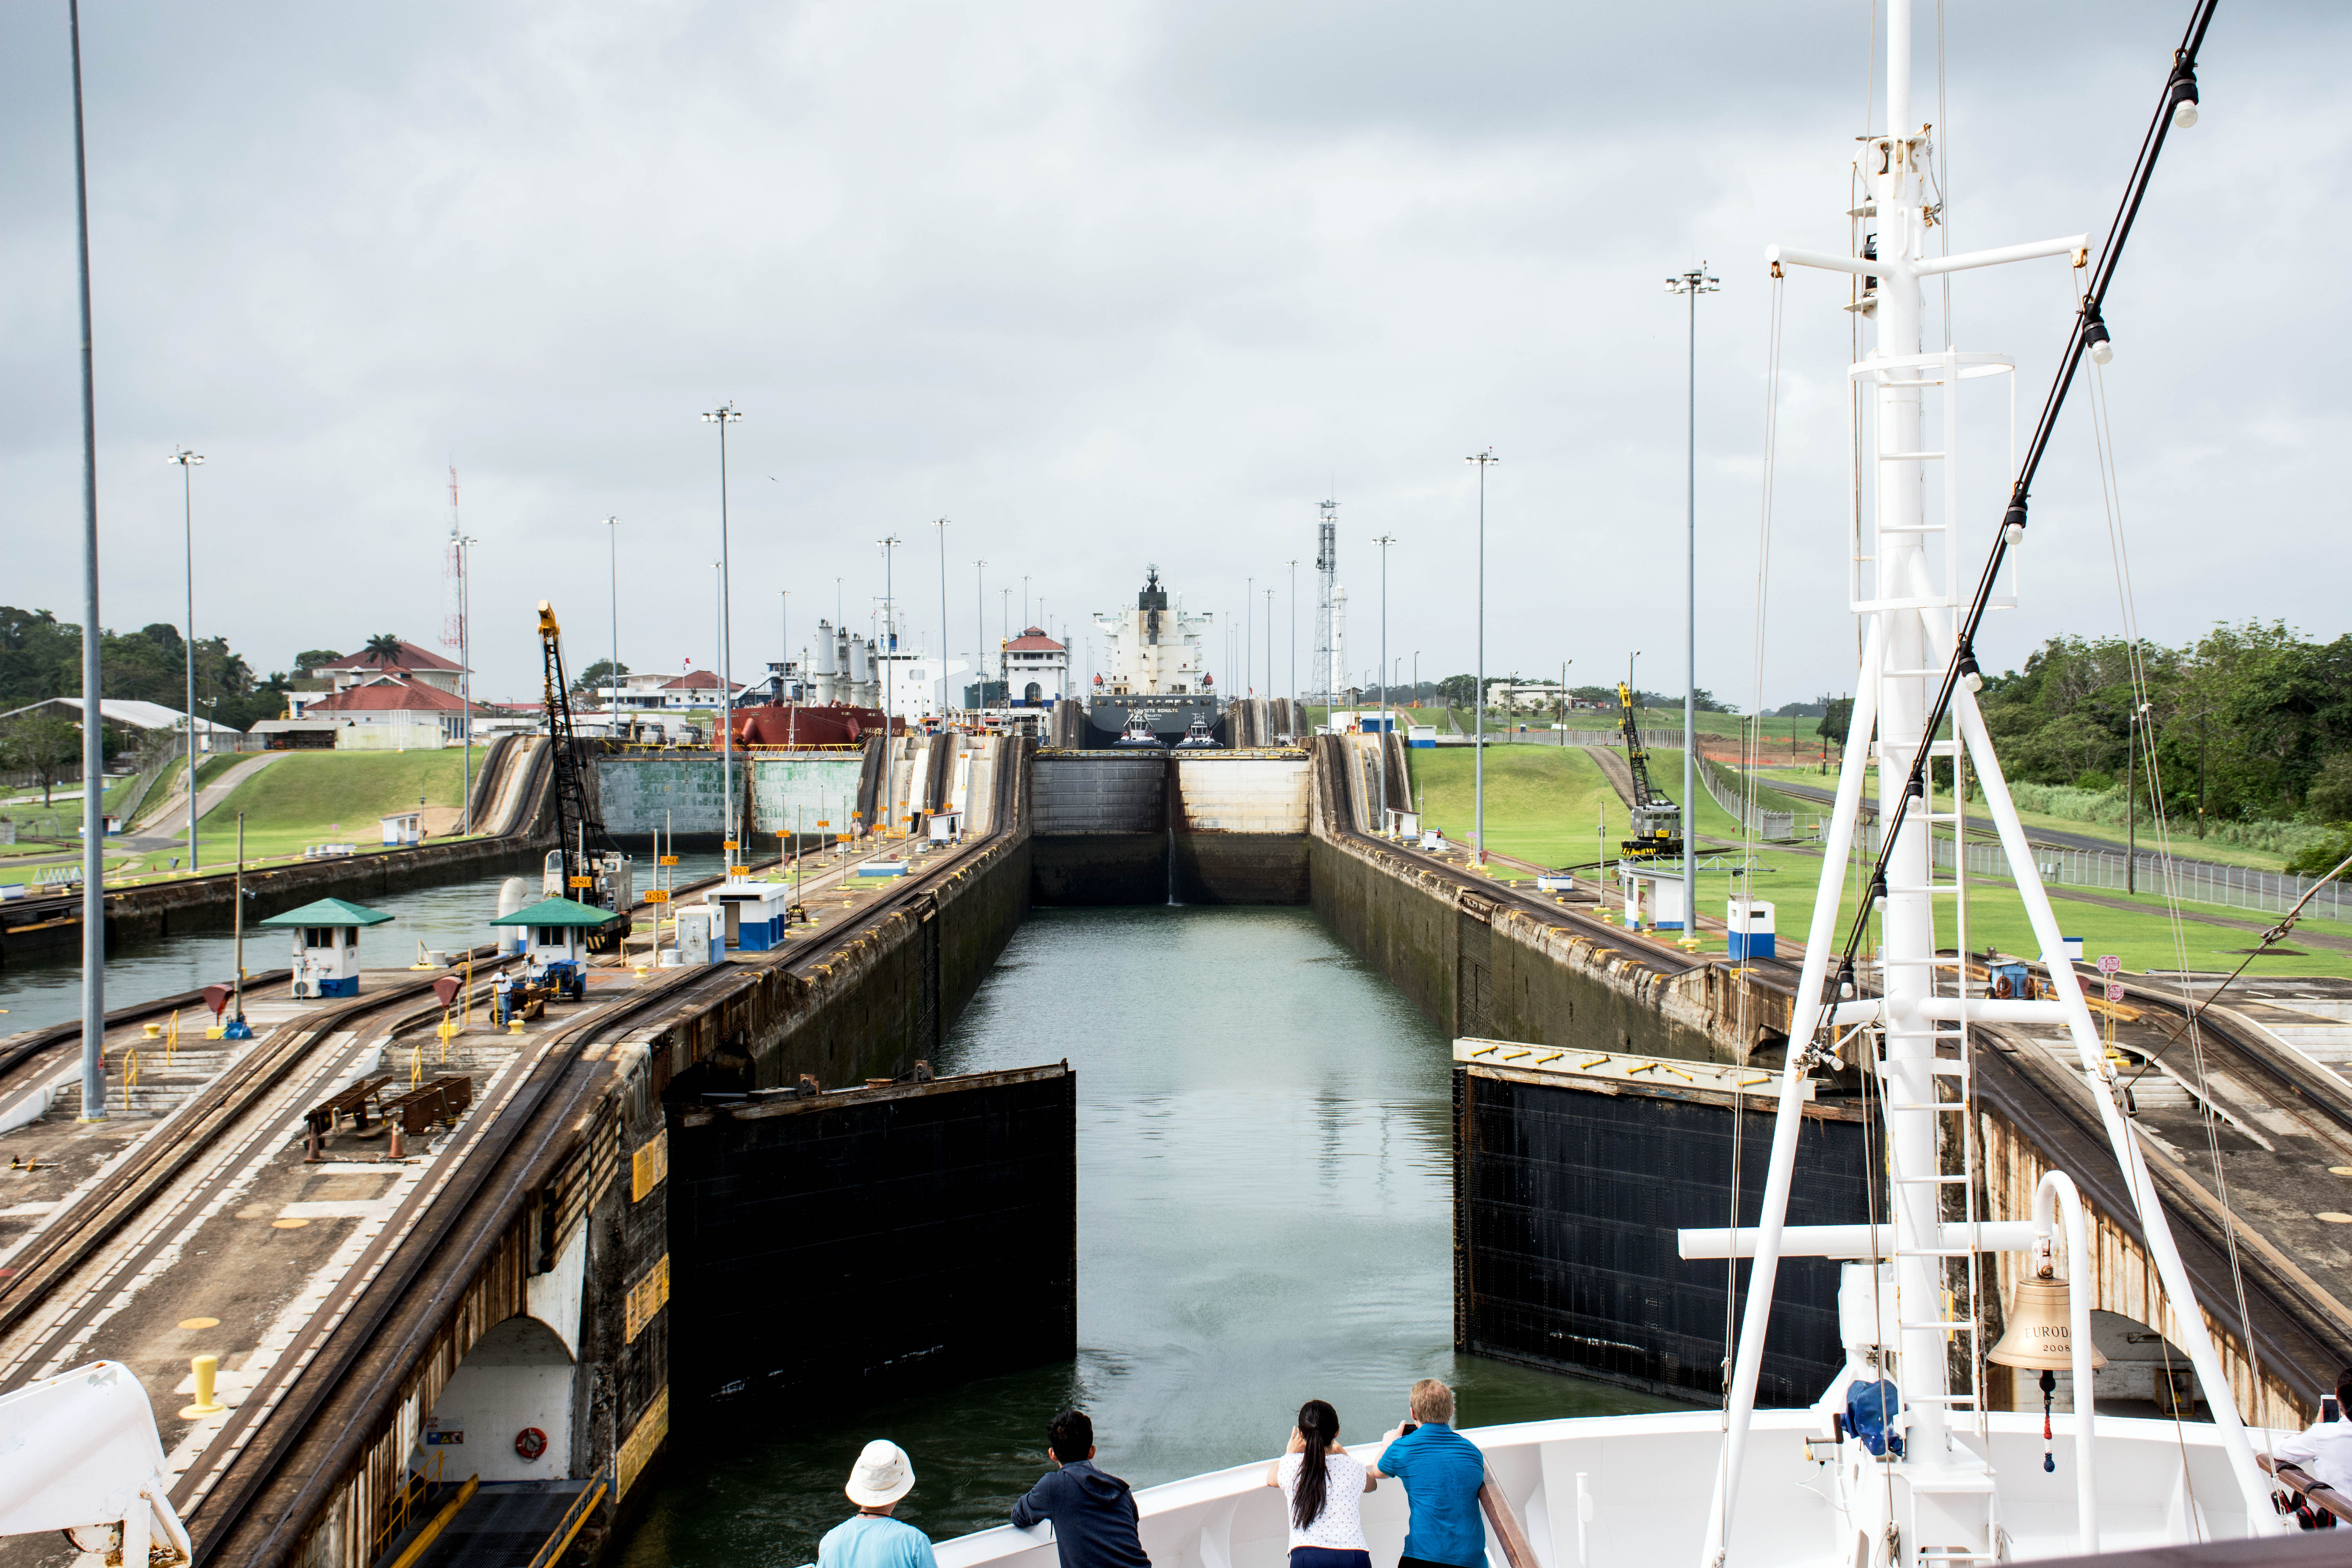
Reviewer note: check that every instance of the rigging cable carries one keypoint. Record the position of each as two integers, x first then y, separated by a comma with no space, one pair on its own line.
2089,329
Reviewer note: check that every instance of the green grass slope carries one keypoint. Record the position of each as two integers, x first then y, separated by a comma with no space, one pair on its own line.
312,797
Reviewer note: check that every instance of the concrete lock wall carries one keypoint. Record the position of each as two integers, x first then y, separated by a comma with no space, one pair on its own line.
645,795
1240,829
1125,828
1099,828
1567,1199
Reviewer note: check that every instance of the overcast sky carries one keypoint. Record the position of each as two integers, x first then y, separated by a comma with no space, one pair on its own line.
1116,283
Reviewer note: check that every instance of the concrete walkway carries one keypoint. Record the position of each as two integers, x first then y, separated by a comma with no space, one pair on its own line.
174,813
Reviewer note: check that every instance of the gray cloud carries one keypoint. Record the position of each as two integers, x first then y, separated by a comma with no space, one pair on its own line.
1108,284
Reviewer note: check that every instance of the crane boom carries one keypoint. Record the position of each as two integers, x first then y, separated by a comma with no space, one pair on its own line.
1657,820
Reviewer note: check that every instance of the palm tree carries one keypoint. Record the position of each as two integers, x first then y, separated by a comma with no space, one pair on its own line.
382,649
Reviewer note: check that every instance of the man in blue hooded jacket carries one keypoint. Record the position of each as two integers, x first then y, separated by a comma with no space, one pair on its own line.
1093,1514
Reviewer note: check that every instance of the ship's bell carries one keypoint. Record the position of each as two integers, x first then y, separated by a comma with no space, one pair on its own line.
2039,1332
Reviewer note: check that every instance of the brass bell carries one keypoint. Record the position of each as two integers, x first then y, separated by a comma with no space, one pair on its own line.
2039,1333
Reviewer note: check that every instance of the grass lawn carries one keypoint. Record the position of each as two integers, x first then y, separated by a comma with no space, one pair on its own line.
316,798
2140,935
1542,804
1550,805
2185,844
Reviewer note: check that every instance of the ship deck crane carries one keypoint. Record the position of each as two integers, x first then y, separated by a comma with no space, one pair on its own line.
1657,820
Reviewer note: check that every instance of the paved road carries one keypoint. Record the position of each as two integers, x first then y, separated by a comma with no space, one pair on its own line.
173,815
2271,884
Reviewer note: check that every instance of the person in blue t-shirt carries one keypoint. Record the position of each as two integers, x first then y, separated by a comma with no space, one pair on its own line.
872,1538
1442,1472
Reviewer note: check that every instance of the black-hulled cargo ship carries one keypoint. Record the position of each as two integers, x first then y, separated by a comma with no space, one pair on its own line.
1156,682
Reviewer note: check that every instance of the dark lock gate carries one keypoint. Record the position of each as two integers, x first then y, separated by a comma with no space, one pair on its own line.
873,1240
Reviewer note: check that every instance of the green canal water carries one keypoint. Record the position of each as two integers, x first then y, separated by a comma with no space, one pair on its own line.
1265,1217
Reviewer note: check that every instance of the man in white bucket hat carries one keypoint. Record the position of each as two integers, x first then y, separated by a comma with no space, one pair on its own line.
872,1538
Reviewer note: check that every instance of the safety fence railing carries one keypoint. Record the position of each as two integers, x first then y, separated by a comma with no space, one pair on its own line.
1755,821
2191,881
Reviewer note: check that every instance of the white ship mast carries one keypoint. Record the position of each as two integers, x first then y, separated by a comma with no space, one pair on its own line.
1909,587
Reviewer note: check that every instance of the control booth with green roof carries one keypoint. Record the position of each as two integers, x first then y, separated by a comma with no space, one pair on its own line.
556,930
327,945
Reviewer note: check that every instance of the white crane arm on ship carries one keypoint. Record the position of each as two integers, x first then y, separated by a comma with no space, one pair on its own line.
79,1453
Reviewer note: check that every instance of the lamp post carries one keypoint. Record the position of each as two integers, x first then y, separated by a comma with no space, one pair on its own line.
613,541
1691,284
461,545
93,739
1249,623
942,525
889,544
783,639
979,628
1485,460
1269,647
723,415
1294,647
187,462
1384,540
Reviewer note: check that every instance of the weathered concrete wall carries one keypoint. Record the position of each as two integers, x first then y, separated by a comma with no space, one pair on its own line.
645,793
1105,834
872,1005
1481,968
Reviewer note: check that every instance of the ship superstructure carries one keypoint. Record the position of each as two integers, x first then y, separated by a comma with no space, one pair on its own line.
1155,672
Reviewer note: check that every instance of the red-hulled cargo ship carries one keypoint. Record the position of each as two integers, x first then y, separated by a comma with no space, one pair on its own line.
808,724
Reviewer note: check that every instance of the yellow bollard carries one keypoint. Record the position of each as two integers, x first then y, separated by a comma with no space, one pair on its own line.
515,1025
206,1368
154,1031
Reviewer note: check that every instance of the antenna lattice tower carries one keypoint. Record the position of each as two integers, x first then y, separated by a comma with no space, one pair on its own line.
1327,683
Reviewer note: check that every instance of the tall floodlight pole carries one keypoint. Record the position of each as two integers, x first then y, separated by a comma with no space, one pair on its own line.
1294,647
1384,540
1485,460
943,524
1691,284
612,675
783,638
1004,639
94,727
889,544
1249,592
723,415
979,628
188,460
460,546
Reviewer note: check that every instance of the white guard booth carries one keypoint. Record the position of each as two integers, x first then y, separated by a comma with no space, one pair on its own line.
1750,920
327,945
404,828
695,926
1653,894
754,913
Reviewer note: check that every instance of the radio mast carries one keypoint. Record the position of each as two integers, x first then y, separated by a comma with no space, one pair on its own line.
1325,687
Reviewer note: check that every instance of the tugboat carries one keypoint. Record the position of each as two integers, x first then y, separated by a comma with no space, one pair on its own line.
1197,738
1139,735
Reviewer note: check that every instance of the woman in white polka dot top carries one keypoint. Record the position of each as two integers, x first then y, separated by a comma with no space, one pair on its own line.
1325,1486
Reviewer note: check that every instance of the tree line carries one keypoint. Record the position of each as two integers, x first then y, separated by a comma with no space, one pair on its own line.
40,657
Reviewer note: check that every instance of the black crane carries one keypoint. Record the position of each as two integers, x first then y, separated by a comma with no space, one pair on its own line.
1658,820
575,821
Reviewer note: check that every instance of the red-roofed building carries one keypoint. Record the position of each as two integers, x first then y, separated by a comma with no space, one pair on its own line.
694,689
390,711
417,663
1037,668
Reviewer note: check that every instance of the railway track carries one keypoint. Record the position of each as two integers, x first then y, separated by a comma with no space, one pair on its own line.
164,1153
249,1504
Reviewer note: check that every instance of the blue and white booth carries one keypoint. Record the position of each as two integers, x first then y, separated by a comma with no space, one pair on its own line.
755,913
327,945
1750,924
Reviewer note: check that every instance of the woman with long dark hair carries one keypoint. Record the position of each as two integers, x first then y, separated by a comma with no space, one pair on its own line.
1324,1485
